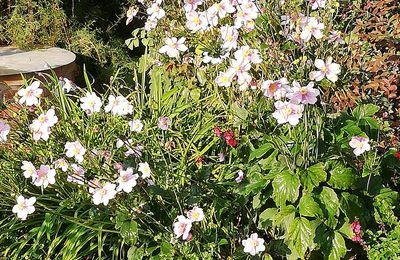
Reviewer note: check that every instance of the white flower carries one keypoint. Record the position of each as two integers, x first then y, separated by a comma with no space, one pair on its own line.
44,176
90,103
229,37
144,168
44,121
313,28
224,79
317,4
127,180
191,5
275,88
150,24
327,69
196,214
240,176
359,144
41,133
78,175
29,169
155,11
61,164
182,227
240,69
304,95
196,21
246,55
288,112
24,207
104,194
119,143
132,12
135,125
223,7
173,46
67,85
30,95
4,131
118,106
253,244
76,150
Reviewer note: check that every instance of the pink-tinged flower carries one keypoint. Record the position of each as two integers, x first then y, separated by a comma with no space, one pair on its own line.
217,132
44,176
91,103
275,88
31,94
163,122
191,5
41,133
29,169
40,127
78,174
253,245
222,8
359,144
127,180
182,227
135,125
304,95
94,185
245,55
239,69
196,21
76,150
4,131
196,214
240,176
155,11
104,194
336,37
173,46
212,16
288,112
315,4
118,106
150,24
221,157
130,14
24,207
229,37
313,28
224,79
246,11
144,168
327,69
356,238
61,164
356,226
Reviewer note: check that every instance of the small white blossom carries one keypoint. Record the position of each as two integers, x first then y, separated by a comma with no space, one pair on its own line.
327,69
253,245
31,94
91,103
4,131
182,227
196,214
29,169
76,150
104,194
24,207
173,46
359,144
144,168
44,176
135,125
127,180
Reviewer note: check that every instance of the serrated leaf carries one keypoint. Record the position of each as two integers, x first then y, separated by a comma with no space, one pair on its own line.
254,183
301,235
329,205
267,163
337,248
285,216
286,187
308,207
266,218
259,152
351,205
346,230
342,177
365,110
313,176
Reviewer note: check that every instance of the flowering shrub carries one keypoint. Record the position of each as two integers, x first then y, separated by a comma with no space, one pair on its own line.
226,146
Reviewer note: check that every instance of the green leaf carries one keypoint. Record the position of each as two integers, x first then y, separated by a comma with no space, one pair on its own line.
351,205
330,205
255,183
365,110
129,232
313,176
259,152
266,217
286,187
285,216
301,235
267,163
240,113
166,248
342,177
335,246
309,208
346,230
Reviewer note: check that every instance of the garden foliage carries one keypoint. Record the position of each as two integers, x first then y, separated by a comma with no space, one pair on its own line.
249,131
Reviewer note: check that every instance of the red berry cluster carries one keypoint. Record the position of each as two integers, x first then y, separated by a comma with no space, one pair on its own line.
356,226
229,136
397,155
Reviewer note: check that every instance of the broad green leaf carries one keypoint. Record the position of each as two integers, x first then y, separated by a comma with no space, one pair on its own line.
351,205
259,152
301,235
335,246
240,112
308,207
346,230
285,216
267,163
365,110
286,187
256,182
129,232
266,218
313,176
342,177
330,205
